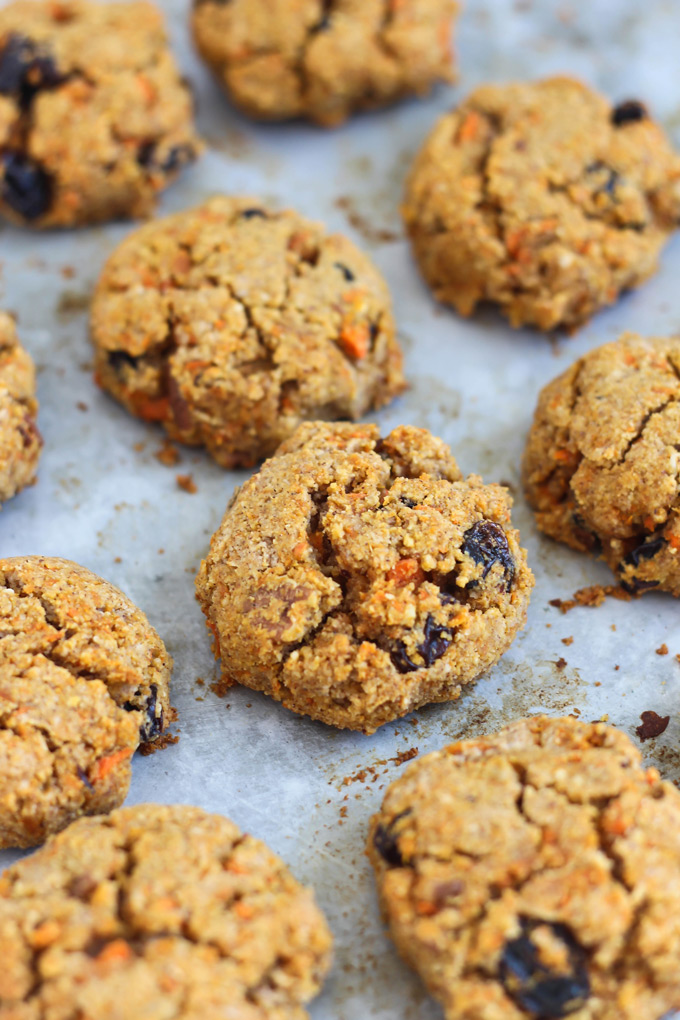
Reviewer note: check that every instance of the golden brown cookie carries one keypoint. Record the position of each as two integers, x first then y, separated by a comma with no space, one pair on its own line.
20,441
543,199
94,117
355,578
231,323
324,59
83,680
534,874
603,455
158,912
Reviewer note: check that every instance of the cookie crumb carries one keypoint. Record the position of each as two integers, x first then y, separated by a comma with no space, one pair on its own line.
159,744
167,454
653,725
567,640
561,663
662,649
593,595
82,406
403,756
187,484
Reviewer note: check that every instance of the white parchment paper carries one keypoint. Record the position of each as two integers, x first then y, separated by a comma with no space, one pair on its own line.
104,500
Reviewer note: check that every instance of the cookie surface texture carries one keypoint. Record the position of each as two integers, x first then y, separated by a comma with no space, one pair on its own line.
94,117
543,199
20,441
158,912
324,59
601,462
534,874
231,323
356,578
83,680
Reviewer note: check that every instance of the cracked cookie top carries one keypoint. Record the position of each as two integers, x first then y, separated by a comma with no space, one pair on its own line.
534,874
542,198
169,910
94,118
356,578
231,323
323,59
602,462
20,441
83,680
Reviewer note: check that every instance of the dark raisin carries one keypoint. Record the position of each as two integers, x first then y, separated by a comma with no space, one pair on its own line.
437,640
251,214
347,273
176,158
610,177
410,503
629,112
24,71
585,536
634,585
25,186
536,988
386,842
82,776
486,543
646,551
152,727
324,22
121,359
401,659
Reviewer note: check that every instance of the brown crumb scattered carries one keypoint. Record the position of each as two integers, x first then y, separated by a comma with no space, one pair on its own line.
68,272
118,559
561,663
653,725
199,681
567,640
139,447
82,406
662,649
161,552
168,454
186,483
677,657
362,225
221,687
404,756
592,596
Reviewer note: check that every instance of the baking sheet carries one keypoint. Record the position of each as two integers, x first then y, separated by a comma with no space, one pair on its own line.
104,500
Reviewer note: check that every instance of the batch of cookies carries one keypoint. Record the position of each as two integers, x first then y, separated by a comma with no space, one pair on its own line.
532,873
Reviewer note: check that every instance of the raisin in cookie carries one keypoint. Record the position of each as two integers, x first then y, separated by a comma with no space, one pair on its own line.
94,118
20,441
534,874
543,199
356,578
158,912
83,680
231,323
603,456
323,59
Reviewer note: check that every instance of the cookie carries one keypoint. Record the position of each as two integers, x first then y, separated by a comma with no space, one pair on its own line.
83,680
94,117
20,441
324,59
534,874
356,578
543,199
232,323
158,912
601,462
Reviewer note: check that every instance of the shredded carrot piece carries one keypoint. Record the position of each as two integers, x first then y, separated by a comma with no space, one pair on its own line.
355,341
152,408
406,570
244,910
469,129
116,950
107,764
